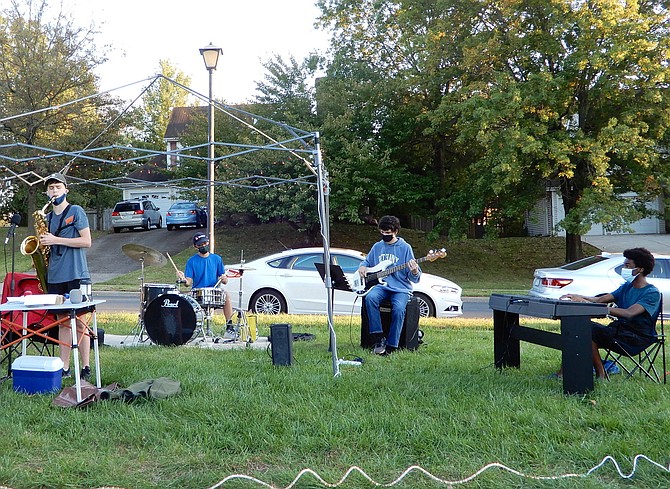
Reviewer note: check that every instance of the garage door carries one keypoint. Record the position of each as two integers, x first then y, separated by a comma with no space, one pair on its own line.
162,198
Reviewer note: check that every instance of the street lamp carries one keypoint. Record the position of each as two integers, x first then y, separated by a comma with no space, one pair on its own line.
210,54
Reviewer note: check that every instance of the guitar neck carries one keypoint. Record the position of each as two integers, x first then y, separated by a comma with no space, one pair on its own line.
390,270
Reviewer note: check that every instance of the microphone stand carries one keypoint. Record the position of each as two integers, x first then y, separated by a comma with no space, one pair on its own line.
12,283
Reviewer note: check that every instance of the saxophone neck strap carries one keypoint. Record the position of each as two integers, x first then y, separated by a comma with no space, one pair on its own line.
60,223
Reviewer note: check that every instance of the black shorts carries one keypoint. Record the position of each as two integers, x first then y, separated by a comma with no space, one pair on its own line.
63,287
604,336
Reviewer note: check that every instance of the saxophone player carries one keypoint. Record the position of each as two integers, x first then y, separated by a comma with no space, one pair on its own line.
67,235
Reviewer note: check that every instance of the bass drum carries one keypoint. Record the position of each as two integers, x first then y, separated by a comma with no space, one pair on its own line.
172,319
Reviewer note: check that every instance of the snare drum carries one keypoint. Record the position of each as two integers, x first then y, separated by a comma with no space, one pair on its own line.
173,319
151,291
209,296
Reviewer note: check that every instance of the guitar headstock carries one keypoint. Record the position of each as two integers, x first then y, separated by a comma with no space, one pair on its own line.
435,254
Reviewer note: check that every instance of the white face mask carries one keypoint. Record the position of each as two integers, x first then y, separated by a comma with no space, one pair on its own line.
627,274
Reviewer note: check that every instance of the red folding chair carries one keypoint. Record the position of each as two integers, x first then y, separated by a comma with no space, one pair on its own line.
40,322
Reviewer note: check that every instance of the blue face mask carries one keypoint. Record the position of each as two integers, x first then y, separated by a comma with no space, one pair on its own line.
627,274
59,200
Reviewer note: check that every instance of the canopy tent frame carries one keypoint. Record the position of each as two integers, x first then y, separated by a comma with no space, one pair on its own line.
308,147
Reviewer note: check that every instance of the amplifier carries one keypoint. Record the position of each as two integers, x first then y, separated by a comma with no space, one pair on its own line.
409,336
282,344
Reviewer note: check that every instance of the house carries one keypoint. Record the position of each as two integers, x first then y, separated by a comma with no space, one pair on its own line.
177,124
147,183
548,212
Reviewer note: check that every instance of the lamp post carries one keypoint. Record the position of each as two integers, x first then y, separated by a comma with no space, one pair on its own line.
210,54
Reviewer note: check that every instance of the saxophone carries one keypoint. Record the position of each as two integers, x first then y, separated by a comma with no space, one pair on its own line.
39,253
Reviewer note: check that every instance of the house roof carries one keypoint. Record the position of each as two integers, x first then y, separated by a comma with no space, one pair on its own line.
148,173
179,120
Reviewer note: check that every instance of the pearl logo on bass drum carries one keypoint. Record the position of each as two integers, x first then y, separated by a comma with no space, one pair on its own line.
168,303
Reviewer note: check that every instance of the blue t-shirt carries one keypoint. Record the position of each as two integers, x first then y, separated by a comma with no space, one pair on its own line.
65,262
648,297
398,253
205,271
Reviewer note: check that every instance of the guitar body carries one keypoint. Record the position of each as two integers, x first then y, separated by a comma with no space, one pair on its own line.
362,286
374,276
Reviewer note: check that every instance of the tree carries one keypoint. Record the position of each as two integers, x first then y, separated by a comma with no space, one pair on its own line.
159,100
493,99
48,63
572,92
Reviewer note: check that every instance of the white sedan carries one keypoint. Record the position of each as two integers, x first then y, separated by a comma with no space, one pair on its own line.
288,282
595,275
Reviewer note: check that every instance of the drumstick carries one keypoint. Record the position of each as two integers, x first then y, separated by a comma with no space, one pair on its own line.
170,258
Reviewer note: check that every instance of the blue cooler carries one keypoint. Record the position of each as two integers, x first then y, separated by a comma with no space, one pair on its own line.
36,374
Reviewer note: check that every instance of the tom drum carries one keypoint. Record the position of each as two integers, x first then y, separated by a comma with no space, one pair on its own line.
172,319
151,291
209,296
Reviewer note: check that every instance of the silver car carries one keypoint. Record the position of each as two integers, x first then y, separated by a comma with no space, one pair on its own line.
594,275
136,213
288,282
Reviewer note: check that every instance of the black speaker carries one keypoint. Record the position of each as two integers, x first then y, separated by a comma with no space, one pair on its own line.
409,336
282,344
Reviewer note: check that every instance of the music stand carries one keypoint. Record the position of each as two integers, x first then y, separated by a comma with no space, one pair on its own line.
338,281
337,278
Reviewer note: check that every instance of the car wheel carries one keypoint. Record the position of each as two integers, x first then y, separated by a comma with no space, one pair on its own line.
117,230
148,225
267,301
160,223
170,227
426,306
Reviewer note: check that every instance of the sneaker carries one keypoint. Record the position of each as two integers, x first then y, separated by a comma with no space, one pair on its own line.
86,373
380,347
66,373
389,350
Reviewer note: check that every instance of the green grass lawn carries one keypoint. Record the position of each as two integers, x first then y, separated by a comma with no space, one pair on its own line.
479,266
443,407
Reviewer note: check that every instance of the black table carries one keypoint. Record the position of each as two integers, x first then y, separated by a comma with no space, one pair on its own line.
574,339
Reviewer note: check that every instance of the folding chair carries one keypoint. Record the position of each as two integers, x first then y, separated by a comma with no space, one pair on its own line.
12,322
642,360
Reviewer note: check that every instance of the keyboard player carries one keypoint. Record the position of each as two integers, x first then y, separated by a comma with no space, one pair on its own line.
638,306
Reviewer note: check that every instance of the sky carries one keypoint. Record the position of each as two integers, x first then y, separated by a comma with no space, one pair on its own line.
142,32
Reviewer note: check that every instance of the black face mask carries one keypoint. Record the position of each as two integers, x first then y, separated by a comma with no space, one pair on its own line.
203,249
387,238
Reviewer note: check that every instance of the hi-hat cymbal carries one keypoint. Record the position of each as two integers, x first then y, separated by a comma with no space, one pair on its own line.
143,253
241,269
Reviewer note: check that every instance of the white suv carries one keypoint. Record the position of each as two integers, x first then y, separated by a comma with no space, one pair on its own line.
136,213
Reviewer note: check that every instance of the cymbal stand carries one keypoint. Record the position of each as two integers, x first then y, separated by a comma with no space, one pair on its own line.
139,332
242,324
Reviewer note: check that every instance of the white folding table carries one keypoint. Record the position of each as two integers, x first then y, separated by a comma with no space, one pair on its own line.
72,310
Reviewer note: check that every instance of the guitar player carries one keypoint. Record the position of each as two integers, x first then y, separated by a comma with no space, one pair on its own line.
397,287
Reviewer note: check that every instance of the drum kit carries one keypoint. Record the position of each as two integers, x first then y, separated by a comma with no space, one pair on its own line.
171,318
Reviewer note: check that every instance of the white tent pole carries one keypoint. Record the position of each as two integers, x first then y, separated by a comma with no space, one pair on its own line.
323,186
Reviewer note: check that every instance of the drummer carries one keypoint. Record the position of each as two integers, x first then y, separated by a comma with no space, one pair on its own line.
205,269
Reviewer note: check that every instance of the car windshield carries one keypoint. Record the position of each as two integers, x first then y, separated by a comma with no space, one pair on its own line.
584,262
126,206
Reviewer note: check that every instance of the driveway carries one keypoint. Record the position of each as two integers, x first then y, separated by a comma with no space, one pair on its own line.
106,259
656,243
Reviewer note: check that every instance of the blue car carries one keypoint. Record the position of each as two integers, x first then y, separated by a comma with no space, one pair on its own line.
185,214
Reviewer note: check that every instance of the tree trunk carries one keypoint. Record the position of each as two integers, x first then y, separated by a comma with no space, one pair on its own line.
573,247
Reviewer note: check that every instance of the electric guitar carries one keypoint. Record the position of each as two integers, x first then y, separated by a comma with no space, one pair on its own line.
374,275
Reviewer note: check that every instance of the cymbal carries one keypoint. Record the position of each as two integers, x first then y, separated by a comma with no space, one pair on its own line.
240,269
143,253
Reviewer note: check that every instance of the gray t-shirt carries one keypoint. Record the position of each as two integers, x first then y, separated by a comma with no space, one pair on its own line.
67,263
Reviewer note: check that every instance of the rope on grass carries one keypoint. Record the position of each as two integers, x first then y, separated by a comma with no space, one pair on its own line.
417,468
